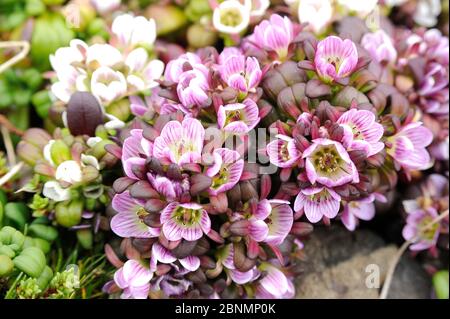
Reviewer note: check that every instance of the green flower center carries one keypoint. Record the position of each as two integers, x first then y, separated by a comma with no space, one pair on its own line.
186,216
319,197
234,116
429,233
327,160
335,61
221,178
230,17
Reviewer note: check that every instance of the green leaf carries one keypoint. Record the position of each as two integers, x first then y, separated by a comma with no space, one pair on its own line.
42,103
441,284
17,213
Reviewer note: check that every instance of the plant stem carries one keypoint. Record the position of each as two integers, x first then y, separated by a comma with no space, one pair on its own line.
395,260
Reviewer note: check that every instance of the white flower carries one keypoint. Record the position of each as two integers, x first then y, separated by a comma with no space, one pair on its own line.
133,31
231,17
103,54
105,6
90,160
257,8
64,57
362,7
47,152
427,12
92,141
113,123
142,74
317,13
54,191
107,84
69,171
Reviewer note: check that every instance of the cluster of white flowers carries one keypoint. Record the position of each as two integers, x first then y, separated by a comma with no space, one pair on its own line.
109,71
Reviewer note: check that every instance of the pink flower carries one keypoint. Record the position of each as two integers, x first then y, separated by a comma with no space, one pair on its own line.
274,284
335,58
226,170
283,152
362,132
168,188
279,219
188,221
328,163
180,143
239,72
409,146
317,202
380,46
237,276
193,87
434,89
275,35
238,118
133,147
134,279
183,63
129,220
361,209
165,256
415,222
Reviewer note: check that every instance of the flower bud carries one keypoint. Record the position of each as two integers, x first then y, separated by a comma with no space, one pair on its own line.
59,152
184,249
69,214
199,183
122,183
240,227
168,18
84,114
143,190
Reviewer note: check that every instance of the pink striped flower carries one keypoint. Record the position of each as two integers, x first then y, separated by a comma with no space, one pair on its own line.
415,222
129,220
362,132
328,163
133,147
283,152
239,72
165,256
192,88
226,170
180,143
380,46
178,66
134,279
239,277
317,202
278,216
361,209
274,284
409,146
335,58
188,221
168,188
238,118
275,35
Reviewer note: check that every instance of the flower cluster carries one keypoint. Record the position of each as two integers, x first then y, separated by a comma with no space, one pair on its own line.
67,179
110,71
208,162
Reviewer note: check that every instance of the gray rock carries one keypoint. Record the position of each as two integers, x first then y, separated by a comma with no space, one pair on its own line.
336,267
